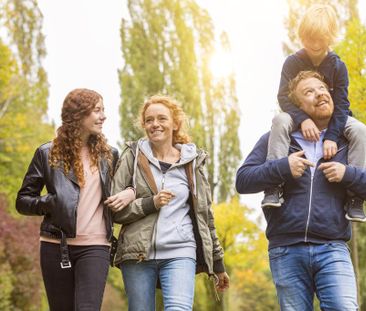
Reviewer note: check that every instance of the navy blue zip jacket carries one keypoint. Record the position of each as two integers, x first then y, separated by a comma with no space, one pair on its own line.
336,77
313,210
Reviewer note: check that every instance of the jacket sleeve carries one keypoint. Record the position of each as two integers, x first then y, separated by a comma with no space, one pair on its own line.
341,104
287,74
138,208
354,179
29,201
256,174
218,252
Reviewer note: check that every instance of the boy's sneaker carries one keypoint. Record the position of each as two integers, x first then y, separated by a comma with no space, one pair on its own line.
272,197
354,208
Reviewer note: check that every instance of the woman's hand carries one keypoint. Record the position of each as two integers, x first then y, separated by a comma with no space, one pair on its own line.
163,198
120,200
223,281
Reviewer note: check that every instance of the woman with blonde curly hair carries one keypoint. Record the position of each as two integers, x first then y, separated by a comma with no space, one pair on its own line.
168,231
76,231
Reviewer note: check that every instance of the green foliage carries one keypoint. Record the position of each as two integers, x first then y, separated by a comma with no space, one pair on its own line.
167,47
352,50
23,92
20,275
246,258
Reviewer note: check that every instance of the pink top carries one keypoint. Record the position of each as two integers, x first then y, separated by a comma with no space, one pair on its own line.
90,223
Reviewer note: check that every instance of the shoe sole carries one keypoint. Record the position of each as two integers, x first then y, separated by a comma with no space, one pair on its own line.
355,219
270,205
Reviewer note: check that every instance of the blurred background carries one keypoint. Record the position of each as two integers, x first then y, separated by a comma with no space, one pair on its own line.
222,59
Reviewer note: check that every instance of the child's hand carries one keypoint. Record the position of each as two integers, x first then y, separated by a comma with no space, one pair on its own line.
329,149
309,130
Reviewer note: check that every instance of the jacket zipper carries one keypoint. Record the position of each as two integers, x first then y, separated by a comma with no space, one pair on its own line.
157,218
311,197
309,209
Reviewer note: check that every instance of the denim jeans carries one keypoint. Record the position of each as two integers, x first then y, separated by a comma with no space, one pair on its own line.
176,277
302,270
80,287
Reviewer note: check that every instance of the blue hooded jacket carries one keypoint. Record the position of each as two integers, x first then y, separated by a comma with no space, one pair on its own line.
335,74
313,210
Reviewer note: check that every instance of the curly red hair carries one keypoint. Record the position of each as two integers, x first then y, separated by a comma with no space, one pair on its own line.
66,146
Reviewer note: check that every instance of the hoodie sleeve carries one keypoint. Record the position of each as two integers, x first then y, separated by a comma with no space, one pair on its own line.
256,174
138,208
289,71
354,179
341,103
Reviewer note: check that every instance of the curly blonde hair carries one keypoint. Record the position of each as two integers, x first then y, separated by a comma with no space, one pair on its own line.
66,146
180,135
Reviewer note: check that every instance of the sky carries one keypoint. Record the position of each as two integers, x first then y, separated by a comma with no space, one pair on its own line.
84,50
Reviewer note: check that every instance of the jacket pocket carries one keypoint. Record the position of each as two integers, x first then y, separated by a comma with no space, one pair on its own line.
185,231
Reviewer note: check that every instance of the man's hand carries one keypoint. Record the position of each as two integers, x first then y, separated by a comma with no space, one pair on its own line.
333,171
309,130
298,165
330,149
163,198
223,281
120,200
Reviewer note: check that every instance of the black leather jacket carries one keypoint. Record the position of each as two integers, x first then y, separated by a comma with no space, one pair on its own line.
59,205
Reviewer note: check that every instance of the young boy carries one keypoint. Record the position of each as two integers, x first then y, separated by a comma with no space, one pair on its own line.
317,32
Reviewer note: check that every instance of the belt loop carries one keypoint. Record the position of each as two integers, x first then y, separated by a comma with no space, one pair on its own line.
65,260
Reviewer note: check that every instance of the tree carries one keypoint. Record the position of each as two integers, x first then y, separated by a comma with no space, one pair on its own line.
23,91
166,47
353,52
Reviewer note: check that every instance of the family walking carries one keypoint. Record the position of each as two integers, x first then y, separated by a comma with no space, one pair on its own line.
311,167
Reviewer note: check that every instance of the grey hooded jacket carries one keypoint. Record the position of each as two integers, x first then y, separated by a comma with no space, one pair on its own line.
139,219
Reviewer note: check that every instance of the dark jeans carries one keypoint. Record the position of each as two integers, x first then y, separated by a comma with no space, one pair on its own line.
81,287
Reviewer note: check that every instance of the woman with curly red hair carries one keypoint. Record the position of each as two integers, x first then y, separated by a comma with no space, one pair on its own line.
77,228
168,232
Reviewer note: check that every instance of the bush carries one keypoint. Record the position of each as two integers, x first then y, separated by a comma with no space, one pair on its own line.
20,275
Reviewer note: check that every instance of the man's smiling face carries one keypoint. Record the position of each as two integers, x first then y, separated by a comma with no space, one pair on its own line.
314,99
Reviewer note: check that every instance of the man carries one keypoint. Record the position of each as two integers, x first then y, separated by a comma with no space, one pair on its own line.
307,235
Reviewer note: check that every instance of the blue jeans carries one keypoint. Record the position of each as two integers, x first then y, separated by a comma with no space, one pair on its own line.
301,270
176,277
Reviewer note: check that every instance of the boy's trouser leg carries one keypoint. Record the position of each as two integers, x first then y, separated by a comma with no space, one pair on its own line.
279,138
355,132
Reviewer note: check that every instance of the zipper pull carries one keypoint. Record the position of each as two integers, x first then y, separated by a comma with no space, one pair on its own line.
163,182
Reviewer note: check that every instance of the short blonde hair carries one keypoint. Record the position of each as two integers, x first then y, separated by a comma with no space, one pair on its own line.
302,75
319,22
180,135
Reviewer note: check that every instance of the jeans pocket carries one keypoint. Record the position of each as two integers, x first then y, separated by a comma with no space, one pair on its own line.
277,252
340,246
